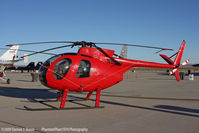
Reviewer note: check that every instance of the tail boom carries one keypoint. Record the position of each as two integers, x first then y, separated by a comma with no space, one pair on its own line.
138,63
171,64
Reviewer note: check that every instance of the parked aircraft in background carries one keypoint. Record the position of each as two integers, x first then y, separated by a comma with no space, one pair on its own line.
8,59
30,67
196,65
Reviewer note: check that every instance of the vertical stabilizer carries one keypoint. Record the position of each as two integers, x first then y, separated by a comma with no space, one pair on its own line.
123,53
11,53
179,55
176,73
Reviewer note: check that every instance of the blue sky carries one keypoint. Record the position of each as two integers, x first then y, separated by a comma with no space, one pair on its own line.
163,23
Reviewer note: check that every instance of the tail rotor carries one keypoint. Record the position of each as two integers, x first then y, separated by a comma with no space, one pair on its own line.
176,62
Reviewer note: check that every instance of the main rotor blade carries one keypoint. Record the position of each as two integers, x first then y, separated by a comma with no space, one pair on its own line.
27,51
42,51
90,43
144,46
40,43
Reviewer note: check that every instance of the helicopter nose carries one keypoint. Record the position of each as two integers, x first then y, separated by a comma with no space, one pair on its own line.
42,75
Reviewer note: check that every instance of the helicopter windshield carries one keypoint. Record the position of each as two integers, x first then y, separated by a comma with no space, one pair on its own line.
61,68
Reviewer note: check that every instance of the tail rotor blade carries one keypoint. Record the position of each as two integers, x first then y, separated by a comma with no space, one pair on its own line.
185,62
173,71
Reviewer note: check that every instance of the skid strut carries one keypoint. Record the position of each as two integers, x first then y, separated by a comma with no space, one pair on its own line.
97,102
89,95
59,95
65,92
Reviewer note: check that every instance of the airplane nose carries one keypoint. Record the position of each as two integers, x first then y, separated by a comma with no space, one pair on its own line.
42,75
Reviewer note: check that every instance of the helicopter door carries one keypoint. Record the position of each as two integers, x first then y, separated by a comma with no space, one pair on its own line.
83,69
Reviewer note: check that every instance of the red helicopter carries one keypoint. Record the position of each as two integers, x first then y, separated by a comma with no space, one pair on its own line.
93,68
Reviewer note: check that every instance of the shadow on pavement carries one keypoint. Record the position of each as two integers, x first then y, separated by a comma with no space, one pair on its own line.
27,93
46,94
173,109
177,108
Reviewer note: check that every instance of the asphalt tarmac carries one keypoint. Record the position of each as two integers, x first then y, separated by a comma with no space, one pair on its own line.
144,102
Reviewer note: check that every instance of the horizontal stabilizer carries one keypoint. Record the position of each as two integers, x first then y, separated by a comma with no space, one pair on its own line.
167,59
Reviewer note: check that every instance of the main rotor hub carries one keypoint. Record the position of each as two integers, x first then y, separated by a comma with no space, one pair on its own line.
84,44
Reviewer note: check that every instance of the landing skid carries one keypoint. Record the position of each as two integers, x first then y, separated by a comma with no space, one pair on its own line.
46,101
53,109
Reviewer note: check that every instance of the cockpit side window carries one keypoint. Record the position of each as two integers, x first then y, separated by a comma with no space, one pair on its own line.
61,68
83,69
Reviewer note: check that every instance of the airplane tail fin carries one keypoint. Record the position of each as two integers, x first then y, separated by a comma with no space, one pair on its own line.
123,53
177,61
11,53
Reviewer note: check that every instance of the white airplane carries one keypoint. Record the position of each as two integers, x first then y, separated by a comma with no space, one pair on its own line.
7,59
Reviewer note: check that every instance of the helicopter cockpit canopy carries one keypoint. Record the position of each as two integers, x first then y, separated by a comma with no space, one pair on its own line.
52,59
60,69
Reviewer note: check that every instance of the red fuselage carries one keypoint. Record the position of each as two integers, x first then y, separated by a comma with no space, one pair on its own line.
93,69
